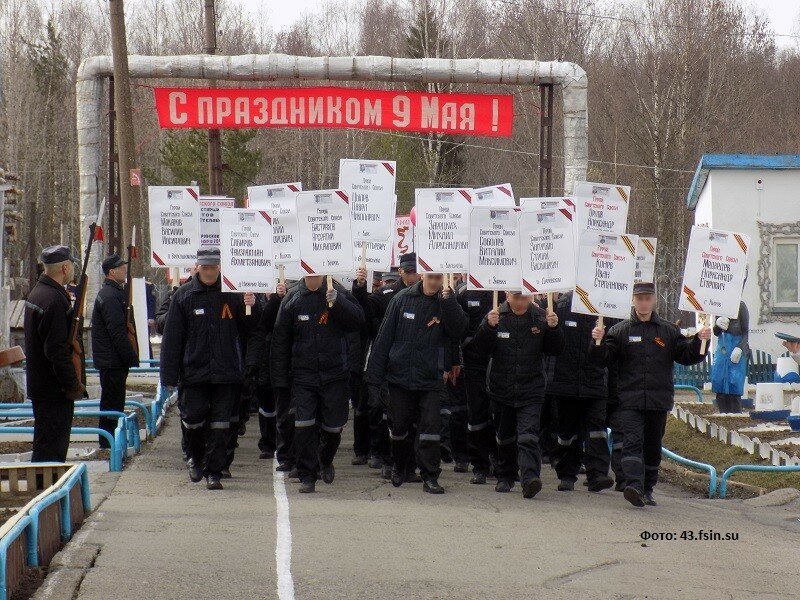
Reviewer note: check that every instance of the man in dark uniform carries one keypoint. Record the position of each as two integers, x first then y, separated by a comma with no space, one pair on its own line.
258,359
644,348
480,429
580,389
516,337
410,354
52,382
112,351
202,350
375,305
309,353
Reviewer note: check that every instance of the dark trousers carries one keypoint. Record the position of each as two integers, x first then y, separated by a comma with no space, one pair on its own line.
420,407
233,428
51,427
617,441
266,419
582,437
284,424
206,412
184,431
480,429
729,403
359,398
549,426
454,420
643,431
324,407
378,405
112,397
517,432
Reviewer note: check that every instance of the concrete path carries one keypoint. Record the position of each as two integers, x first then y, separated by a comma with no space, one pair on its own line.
159,536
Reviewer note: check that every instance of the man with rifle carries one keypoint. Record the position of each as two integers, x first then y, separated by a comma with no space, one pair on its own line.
53,377
113,350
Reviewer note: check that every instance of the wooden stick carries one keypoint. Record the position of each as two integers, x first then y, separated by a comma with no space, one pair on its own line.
599,324
330,287
176,277
494,300
248,310
282,274
364,255
550,301
704,323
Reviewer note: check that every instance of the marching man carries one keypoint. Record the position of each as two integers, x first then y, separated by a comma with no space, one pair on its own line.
423,322
645,346
516,336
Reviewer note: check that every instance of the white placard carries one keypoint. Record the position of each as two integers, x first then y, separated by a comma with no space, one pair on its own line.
403,237
246,254
494,262
604,282
547,203
209,218
646,260
442,231
601,206
174,225
547,250
370,185
716,263
326,239
494,195
140,318
280,201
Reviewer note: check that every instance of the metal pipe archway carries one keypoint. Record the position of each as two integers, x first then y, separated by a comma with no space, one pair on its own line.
272,67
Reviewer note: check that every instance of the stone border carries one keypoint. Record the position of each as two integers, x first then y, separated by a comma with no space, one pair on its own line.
734,438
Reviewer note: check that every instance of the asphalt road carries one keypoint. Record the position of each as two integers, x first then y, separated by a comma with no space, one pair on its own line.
159,536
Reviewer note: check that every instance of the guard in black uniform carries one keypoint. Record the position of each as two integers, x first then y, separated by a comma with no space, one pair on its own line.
580,389
410,355
202,349
309,353
645,348
112,351
52,382
516,336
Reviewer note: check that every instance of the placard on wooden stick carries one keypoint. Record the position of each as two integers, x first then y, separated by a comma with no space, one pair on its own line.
442,229
324,225
209,218
716,264
494,251
246,255
174,225
547,248
370,186
601,206
604,281
280,201
646,260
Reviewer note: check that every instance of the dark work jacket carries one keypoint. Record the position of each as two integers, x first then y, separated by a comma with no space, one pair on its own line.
309,341
572,373
415,341
111,348
204,334
376,303
258,350
48,357
476,304
516,347
645,353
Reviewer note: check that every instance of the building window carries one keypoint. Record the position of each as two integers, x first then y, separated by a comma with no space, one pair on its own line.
787,293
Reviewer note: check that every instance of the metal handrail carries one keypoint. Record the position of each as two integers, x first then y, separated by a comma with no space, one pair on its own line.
115,441
696,390
712,472
723,484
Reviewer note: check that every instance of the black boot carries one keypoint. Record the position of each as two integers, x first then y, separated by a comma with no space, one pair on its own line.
213,482
431,486
307,487
503,486
328,473
531,488
598,484
648,499
566,486
634,496
478,478
397,477
195,472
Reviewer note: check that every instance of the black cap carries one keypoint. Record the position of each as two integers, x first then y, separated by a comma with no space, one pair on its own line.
112,262
408,262
208,256
53,255
644,287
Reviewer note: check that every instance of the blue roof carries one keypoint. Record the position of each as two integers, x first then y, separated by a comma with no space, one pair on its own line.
736,161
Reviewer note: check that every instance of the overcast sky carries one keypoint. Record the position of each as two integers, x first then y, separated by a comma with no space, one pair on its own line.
281,13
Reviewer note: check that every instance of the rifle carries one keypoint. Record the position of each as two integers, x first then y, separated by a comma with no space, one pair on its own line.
130,323
76,321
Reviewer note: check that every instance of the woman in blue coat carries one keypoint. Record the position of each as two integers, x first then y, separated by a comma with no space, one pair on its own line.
729,369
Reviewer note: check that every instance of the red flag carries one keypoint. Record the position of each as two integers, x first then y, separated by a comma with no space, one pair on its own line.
98,233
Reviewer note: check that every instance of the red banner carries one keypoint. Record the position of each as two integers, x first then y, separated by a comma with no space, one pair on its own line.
335,107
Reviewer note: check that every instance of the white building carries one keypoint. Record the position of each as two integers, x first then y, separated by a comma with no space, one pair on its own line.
759,196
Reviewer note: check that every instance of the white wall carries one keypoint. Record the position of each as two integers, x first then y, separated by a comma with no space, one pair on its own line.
731,201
